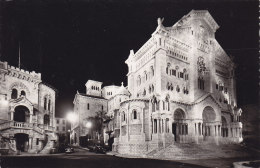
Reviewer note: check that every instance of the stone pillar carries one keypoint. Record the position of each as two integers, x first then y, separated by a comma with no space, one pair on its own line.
142,120
30,121
12,115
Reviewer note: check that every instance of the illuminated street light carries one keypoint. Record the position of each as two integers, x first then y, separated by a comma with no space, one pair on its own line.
88,124
71,117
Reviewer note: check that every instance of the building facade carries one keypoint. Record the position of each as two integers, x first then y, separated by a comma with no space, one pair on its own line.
61,125
27,110
182,88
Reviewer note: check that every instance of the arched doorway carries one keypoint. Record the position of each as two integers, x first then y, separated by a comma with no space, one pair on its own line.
22,142
21,114
179,127
224,128
209,117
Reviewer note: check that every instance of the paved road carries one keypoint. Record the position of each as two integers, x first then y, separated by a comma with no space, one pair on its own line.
83,158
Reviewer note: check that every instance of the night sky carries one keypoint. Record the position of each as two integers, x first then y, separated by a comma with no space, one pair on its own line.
70,42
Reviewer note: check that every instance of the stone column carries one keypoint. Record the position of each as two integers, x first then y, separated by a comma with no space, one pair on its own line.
30,121
12,115
142,120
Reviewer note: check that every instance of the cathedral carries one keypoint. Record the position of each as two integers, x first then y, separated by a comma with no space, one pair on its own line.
27,111
181,89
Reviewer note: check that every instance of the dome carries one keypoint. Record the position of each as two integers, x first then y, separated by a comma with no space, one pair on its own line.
122,91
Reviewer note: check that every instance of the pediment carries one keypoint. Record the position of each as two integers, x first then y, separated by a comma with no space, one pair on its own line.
21,100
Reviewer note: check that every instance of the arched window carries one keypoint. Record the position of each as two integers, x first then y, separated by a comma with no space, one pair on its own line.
88,106
45,103
49,105
201,83
144,93
123,116
134,114
145,76
152,71
167,68
178,88
23,93
14,94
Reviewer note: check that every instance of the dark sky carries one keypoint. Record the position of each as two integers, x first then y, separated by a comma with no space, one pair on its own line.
70,42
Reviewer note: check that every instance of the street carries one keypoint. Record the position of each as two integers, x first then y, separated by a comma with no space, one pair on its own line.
83,158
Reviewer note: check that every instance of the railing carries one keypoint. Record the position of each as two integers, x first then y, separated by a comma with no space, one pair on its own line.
22,125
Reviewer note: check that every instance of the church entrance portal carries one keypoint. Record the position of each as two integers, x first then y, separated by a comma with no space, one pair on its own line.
22,142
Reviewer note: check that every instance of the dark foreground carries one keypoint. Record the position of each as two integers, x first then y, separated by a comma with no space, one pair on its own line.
82,158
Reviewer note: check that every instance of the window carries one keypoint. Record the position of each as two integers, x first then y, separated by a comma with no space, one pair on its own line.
217,86
174,72
186,77
145,76
63,121
155,126
14,94
134,114
37,141
144,93
49,105
102,107
124,116
45,103
57,128
181,74
200,83
178,88
46,119
58,121
23,93
63,128
152,70
88,106
225,91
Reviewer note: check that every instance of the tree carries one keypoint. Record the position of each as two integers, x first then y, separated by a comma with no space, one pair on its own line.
98,122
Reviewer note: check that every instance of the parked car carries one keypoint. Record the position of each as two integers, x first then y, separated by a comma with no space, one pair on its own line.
100,149
69,150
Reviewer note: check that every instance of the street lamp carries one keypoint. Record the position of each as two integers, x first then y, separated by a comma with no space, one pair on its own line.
88,124
71,117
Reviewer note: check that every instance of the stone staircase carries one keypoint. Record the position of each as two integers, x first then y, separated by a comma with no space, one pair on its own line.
179,151
48,146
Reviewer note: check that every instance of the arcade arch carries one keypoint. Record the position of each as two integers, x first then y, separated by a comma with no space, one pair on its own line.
21,114
179,125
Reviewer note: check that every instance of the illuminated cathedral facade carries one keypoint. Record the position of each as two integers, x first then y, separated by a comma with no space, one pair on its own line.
181,89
